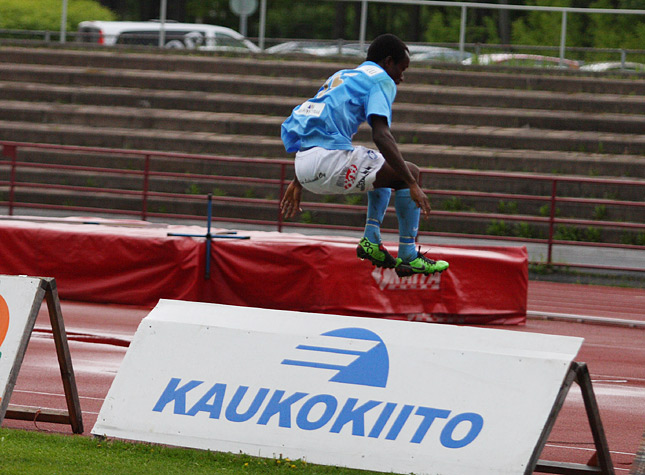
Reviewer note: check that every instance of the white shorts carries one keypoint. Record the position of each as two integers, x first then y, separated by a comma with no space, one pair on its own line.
336,172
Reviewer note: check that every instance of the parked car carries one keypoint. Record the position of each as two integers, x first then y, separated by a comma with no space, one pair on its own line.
518,59
437,53
315,48
327,48
614,66
177,35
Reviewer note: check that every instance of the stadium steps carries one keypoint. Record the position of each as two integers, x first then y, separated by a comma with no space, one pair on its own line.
277,106
530,161
299,88
440,155
102,117
266,66
218,184
468,118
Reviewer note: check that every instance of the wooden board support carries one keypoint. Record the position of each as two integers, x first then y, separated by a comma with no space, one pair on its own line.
46,290
579,373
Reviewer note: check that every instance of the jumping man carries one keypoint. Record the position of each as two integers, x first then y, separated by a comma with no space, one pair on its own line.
321,129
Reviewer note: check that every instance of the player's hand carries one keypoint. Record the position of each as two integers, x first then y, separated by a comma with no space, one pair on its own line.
421,200
290,203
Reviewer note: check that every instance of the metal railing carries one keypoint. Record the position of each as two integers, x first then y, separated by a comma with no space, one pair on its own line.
464,6
278,179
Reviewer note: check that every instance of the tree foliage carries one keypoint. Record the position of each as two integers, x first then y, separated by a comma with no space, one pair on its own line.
46,14
323,19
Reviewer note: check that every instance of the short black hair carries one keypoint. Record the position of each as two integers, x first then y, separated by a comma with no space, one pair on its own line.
387,45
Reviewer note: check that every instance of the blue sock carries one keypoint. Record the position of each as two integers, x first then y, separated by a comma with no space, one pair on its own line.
408,214
377,201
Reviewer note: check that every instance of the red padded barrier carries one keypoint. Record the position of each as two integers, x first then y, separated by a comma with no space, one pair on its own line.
133,262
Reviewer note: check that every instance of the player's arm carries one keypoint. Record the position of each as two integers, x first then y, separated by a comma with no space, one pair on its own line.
290,203
385,142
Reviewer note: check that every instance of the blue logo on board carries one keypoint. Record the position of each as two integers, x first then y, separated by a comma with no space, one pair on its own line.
369,368
307,411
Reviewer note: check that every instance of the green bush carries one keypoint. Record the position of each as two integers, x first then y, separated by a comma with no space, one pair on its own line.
507,207
46,14
600,212
630,238
455,204
570,233
499,228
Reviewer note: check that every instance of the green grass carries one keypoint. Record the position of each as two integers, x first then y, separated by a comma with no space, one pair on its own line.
35,453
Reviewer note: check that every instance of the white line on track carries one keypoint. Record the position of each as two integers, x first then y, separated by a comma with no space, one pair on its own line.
584,318
40,393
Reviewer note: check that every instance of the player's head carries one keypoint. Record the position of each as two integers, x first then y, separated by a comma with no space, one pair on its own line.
391,53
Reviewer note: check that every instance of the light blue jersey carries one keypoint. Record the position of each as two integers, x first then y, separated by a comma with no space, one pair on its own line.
348,98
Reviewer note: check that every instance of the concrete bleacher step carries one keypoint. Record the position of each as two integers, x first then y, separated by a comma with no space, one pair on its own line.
277,106
434,156
425,155
299,88
218,184
155,120
266,65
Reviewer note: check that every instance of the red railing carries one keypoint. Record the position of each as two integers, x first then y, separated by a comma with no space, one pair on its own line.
12,164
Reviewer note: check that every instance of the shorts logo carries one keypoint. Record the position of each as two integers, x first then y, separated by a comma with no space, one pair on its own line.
369,367
4,320
350,176
371,154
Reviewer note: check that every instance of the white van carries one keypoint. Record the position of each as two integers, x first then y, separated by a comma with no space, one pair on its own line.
177,35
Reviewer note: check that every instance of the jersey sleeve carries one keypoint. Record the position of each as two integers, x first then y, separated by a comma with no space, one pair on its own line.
379,100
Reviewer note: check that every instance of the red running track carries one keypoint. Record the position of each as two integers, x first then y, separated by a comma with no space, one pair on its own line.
99,335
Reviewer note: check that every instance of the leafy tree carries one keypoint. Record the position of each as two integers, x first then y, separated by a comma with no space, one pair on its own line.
618,31
543,27
46,14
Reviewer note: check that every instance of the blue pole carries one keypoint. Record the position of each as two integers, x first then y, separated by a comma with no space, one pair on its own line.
209,237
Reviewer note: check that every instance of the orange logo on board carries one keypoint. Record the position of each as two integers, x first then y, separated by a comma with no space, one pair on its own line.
4,320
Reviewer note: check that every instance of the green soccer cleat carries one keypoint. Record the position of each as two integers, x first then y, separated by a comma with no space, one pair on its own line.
420,265
375,253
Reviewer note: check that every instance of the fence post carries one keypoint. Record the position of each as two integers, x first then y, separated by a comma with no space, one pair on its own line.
363,25
563,37
10,151
462,31
283,174
554,187
146,184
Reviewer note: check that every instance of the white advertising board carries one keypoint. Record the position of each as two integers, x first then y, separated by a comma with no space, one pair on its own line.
19,307
356,392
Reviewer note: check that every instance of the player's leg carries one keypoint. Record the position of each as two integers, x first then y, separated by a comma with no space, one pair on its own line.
370,246
409,261
358,176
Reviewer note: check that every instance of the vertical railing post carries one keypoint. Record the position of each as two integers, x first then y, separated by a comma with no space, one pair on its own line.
462,31
146,185
554,187
283,175
563,37
363,25
11,152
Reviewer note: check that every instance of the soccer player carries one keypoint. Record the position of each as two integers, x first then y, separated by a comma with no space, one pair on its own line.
320,130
